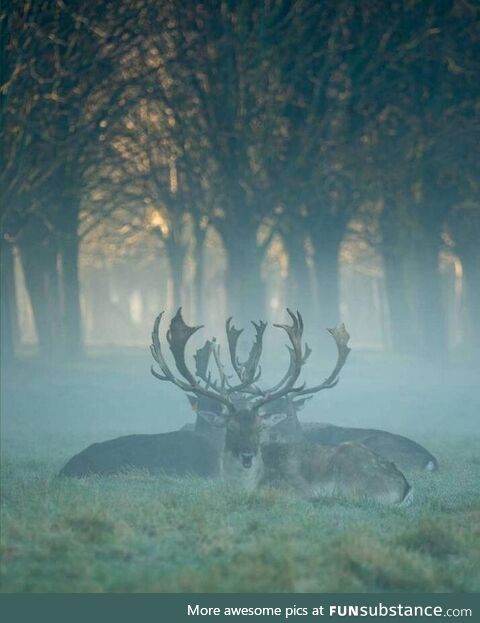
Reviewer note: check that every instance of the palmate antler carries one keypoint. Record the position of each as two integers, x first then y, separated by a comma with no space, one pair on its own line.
298,399
297,359
341,337
249,372
177,336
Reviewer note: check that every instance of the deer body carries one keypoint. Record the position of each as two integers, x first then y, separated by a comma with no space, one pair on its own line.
246,412
404,452
345,471
312,471
176,453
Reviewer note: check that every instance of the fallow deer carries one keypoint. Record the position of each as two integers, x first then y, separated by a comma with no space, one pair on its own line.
406,453
349,470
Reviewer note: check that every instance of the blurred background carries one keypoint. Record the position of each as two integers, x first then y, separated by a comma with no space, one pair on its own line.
235,158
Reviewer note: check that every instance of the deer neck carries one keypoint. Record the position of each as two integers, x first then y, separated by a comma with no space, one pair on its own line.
215,435
234,472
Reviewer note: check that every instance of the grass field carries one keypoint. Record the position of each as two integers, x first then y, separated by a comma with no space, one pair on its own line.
139,533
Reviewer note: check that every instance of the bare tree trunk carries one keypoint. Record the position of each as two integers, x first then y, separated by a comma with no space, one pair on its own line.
299,287
429,303
398,291
397,252
471,274
176,257
72,321
245,290
199,280
8,312
39,262
327,273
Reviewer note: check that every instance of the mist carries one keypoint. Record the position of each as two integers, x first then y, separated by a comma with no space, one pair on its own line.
238,160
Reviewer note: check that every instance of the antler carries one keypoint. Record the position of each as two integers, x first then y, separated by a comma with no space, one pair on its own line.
248,372
202,358
297,359
218,362
252,363
232,337
177,336
341,337
306,355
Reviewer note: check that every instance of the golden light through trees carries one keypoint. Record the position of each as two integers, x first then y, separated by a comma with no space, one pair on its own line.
317,153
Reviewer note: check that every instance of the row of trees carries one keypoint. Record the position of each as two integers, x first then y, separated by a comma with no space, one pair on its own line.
283,118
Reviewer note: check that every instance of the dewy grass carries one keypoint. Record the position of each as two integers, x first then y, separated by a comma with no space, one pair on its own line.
141,533
137,532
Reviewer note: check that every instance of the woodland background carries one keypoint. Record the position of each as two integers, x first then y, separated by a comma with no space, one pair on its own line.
235,157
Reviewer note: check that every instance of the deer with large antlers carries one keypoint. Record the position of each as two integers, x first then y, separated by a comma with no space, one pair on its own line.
348,470
406,453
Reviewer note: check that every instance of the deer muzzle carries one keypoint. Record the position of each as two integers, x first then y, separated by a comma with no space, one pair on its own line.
247,459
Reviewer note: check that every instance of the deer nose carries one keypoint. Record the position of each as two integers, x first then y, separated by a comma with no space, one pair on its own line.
246,459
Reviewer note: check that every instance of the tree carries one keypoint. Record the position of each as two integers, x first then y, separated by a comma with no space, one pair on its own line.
66,70
427,94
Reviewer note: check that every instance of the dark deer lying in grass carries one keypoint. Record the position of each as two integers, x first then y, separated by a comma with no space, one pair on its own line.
175,453
404,452
349,470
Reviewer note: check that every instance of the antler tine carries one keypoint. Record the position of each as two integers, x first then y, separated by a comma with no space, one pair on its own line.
297,359
248,385
341,337
250,372
156,351
306,355
219,364
202,359
177,336
294,332
232,338
251,365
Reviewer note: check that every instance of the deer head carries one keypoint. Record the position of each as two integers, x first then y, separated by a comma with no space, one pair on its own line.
241,406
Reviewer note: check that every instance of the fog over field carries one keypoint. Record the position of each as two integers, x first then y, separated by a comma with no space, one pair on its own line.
53,411
139,533
311,167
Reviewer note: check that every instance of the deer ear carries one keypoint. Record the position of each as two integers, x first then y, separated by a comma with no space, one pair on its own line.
273,420
219,420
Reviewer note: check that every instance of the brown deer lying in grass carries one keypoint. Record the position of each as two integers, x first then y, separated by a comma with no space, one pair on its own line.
404,452
347,470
